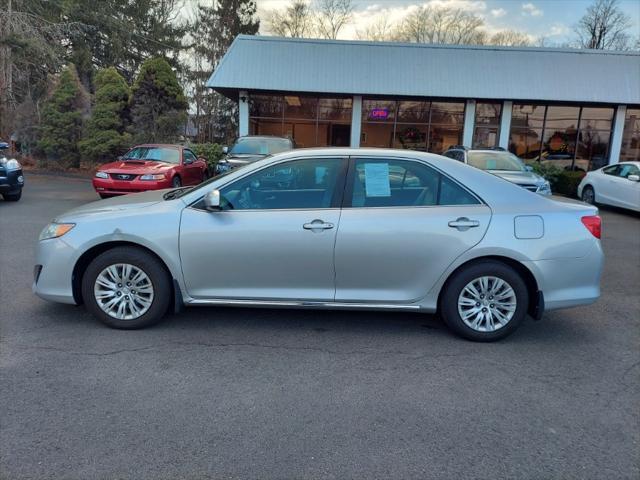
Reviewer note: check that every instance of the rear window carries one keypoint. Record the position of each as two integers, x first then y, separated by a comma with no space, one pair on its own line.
261,146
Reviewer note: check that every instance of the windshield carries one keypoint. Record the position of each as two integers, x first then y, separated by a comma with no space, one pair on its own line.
154,154
492,160
260,146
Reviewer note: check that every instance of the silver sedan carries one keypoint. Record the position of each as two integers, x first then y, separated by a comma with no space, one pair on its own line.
329,228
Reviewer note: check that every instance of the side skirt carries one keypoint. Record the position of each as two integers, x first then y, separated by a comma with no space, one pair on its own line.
300,304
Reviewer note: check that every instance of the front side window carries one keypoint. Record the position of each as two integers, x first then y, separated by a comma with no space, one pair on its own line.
189,155
404,183
308,184
627,169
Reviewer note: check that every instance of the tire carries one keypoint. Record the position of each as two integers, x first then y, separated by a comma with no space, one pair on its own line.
155,279
588,195
176,182
457,298
12,197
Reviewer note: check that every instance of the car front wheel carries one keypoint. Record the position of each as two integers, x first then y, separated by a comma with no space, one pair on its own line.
126,288
485,301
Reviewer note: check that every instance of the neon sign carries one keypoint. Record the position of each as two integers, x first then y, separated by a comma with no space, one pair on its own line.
379,114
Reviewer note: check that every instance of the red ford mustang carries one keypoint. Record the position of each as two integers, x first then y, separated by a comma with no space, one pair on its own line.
150,167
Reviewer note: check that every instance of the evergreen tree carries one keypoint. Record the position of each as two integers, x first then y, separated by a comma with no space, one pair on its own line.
158,104
62,119
106,137
217,27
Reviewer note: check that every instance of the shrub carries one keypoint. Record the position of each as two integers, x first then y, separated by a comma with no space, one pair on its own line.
211,151
567,183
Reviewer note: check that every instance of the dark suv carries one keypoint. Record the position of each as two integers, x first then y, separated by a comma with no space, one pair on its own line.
11,178
251,148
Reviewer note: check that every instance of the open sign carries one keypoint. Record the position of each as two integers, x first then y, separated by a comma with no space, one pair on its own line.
379,114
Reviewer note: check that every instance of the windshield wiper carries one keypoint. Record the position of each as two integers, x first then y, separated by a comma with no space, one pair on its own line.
176,193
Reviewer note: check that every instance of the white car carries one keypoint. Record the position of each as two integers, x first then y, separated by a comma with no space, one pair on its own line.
617,185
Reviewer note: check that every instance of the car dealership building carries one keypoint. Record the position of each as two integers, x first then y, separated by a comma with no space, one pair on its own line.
576,108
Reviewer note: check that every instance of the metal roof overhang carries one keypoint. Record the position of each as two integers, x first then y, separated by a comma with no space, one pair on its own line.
273,64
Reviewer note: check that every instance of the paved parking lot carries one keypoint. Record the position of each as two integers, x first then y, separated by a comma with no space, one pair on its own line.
240,393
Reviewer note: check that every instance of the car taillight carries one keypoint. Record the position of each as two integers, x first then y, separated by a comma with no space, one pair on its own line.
593,224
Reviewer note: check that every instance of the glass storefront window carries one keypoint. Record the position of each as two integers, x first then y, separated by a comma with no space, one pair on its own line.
630,150
309,121
569,137
487,124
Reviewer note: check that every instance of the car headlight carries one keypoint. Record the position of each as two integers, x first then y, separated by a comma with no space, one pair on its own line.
544,187
55,230
11,164
153,177
102,175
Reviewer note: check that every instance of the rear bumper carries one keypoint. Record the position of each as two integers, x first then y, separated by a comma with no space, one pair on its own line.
109,186
11,182
569,282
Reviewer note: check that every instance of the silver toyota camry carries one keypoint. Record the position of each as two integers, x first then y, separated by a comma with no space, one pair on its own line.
329,228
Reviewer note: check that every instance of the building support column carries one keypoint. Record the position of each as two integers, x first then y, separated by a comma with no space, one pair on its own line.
469,121
616,134
505,124
243,113
356,120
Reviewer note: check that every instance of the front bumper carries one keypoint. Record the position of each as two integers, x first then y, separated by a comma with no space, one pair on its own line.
11,181
53,272
110,186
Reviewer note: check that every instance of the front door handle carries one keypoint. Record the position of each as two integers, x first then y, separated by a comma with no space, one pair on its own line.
317,224
463,223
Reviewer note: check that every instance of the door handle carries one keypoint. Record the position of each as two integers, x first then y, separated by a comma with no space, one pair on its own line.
317,224
463,224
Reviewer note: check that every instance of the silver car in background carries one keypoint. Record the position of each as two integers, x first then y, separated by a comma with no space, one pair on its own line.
502,163
329,228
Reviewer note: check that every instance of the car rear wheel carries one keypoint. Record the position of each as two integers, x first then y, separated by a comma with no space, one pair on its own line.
589,195
485,301
176,182
12,197
126,288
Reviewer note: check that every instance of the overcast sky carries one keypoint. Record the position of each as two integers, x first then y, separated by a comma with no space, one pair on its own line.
552,19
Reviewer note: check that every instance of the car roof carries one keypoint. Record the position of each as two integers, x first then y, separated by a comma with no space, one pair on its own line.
270,137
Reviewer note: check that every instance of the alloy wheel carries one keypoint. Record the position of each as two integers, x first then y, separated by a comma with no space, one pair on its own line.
487,304
123,291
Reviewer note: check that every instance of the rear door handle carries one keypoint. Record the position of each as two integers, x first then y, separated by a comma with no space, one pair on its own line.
463,223
317,224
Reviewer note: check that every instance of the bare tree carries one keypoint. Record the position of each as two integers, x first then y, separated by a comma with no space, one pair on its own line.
379,30
604,27
510,38
296,20
332,16
438,24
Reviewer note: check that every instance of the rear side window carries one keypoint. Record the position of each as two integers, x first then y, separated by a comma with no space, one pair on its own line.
610,170
404,183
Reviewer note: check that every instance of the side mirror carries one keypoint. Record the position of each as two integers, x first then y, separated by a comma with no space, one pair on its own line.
528,168
225,149
634,178
212,201
202,159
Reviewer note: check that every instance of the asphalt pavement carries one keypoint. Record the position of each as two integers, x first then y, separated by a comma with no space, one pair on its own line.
245,393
